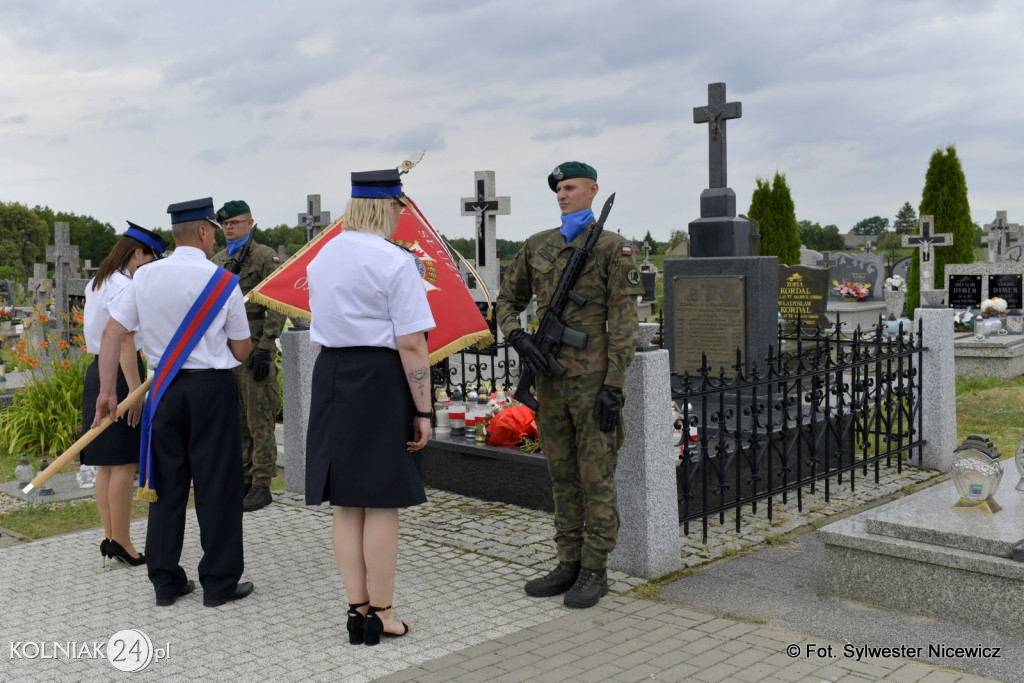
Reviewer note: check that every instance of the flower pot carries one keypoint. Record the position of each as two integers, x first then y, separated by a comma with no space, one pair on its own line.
894,302
847,297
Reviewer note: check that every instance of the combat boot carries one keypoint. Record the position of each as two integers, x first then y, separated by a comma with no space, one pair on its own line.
258,498
559,580
590,586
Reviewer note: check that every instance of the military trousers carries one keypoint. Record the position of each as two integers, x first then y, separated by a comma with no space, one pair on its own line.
581,462
257,412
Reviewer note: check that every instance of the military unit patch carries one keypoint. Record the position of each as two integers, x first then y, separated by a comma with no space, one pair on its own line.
633,275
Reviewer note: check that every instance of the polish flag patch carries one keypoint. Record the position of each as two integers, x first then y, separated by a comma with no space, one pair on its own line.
627,251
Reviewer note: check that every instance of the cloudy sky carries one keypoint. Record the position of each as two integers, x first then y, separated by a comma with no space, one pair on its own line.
116,108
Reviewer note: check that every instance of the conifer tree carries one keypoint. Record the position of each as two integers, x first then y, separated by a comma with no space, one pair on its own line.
772,207
944,197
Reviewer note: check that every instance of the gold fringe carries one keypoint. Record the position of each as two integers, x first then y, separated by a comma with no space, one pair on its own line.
147,494
482,339
275,305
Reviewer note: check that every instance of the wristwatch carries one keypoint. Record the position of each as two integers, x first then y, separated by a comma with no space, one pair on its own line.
426,414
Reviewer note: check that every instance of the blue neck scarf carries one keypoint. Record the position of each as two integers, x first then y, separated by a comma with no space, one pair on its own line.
573,224
235,245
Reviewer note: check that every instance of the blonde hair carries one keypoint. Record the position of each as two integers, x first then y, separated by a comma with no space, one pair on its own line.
374,216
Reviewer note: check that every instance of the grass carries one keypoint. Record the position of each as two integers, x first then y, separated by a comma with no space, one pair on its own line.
41,521
991,406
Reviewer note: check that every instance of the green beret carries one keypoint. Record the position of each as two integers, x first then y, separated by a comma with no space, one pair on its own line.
233,208
570,169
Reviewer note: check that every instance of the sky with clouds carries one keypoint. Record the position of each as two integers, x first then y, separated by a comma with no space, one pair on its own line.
117,108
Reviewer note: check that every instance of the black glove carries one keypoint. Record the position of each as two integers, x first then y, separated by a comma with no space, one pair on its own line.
530,355
259,363
608,407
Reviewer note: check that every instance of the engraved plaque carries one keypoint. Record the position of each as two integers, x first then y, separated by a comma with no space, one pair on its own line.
1007,287
964,291
710,318
803,292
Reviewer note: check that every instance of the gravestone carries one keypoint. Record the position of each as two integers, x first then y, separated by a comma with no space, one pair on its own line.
724,298
39,285
1006,286
902,268
1000,234
803,293
485,207
964,291
809,257
7,293
314,219
862,267
647,279
68,288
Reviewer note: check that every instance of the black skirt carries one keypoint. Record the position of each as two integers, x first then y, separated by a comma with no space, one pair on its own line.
118,444
360,418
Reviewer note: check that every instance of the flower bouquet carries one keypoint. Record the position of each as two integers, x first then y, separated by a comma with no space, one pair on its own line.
995,306
963,321
895,284
851,290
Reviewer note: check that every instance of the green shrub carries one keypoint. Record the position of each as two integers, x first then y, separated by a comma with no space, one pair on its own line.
45,417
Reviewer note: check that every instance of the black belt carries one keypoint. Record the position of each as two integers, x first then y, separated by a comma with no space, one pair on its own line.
192,371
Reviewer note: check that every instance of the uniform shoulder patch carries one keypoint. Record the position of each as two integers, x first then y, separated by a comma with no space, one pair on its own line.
275,258
633,275
627,250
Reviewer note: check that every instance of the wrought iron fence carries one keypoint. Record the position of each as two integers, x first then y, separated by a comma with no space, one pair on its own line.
497,366
829,406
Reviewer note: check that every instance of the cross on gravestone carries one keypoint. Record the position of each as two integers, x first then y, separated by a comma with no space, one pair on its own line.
646,248
64,257
997,241
926,241
485,206
715,114
314,219
39,284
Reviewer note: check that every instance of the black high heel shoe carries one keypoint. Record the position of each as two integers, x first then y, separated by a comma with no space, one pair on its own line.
374,627
116,551
103,550
356,623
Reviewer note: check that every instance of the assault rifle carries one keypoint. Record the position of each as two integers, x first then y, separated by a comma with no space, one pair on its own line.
235,265
551,333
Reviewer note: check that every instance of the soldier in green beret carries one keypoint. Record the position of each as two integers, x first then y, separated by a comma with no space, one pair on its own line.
257,377
579,415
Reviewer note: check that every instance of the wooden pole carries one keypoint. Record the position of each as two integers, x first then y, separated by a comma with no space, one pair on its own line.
87,438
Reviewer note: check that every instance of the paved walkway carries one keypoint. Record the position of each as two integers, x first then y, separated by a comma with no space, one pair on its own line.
462,563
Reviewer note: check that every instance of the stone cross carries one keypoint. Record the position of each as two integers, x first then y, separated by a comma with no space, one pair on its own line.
926,241
998,238
485,206
715,114
39,284
64,258
646,248
314,219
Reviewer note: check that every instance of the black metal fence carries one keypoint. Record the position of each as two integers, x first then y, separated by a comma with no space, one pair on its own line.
827,409
494,366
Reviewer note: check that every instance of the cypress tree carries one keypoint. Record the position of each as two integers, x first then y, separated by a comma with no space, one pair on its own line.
772,207
945,198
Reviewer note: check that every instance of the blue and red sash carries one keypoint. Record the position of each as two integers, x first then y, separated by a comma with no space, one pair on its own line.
189,332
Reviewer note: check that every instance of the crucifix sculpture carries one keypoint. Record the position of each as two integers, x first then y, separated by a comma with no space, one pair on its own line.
999,232
926,241
715,114
485,207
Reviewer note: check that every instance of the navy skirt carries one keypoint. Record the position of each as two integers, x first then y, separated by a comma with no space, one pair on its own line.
118,444
360,418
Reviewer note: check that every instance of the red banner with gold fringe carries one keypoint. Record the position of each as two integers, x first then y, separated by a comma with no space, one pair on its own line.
459,321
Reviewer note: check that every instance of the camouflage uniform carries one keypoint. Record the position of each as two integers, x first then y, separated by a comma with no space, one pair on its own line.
258,401
581,458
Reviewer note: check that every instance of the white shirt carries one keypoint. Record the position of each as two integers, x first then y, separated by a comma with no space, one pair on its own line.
97,312
365,291
158,299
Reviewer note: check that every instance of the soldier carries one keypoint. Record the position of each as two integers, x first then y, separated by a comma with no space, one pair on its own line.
257,377
579,416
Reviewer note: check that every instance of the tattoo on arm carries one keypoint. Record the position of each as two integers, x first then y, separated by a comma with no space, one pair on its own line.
417,376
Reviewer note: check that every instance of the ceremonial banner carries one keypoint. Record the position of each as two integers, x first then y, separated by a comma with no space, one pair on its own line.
459,322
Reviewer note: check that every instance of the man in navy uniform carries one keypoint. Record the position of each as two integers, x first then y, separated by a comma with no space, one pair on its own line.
191,416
